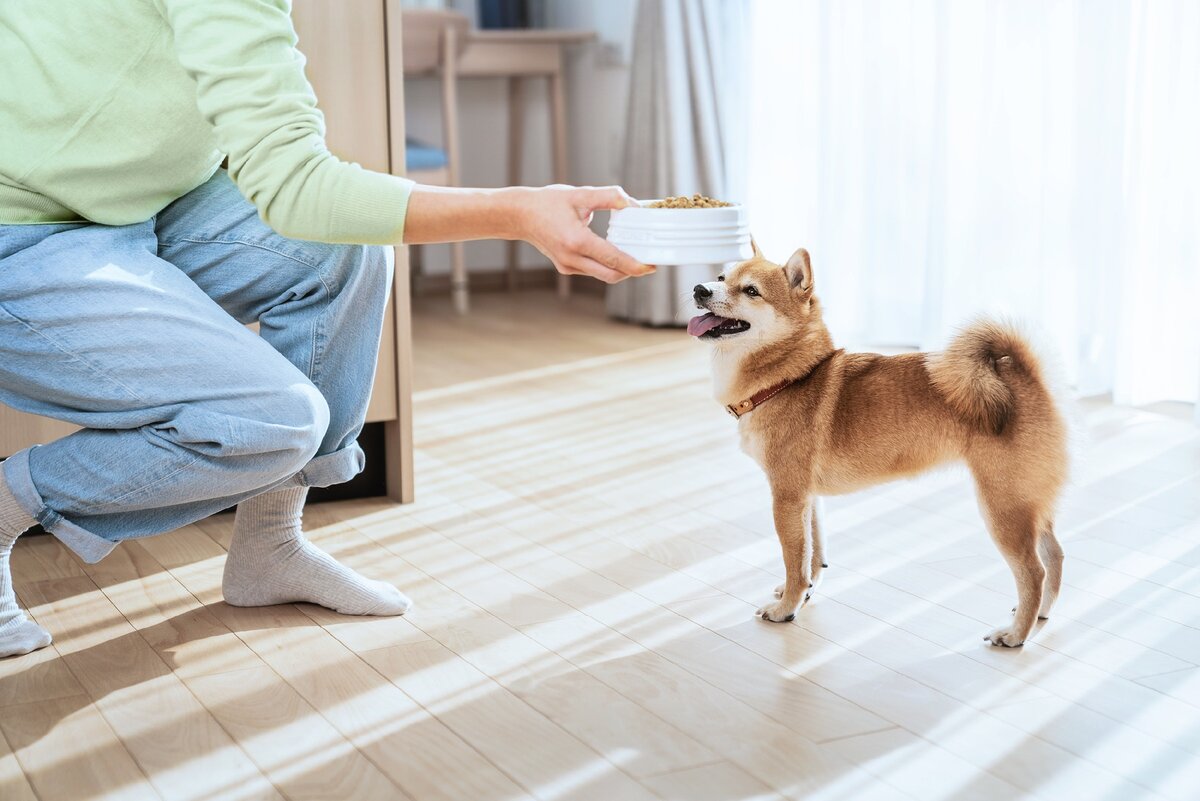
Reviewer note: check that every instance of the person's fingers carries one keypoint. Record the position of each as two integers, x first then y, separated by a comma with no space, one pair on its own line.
604,197
595,269
611,256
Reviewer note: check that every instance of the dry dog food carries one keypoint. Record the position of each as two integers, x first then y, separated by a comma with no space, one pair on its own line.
696,201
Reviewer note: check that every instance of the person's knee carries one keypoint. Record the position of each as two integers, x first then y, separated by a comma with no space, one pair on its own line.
294,427
360,268
387,256
265,435
274,434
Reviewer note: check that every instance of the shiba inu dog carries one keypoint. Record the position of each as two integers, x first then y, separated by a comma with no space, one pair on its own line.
821,421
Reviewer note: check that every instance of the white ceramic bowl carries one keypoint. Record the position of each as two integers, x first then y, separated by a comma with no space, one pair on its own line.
682,236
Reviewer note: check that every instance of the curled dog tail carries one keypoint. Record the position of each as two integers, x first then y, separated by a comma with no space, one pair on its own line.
987,372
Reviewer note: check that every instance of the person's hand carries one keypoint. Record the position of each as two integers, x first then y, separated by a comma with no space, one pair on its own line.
554,219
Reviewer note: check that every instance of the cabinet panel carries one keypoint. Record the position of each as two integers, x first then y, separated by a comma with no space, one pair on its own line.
19,430
347,67
344,45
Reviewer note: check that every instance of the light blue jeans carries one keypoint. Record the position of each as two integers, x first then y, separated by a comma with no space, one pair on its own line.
136,334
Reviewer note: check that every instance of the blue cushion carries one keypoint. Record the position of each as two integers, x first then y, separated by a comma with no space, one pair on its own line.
420,156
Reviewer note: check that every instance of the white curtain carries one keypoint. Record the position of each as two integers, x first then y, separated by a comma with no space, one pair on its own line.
683,131
1038,158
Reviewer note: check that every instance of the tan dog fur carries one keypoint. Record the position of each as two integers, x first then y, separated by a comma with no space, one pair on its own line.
857,419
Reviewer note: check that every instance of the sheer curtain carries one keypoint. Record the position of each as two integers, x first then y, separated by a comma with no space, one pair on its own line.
1027,157
683,131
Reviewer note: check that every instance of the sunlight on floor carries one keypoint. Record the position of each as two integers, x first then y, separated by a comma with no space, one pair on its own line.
586,554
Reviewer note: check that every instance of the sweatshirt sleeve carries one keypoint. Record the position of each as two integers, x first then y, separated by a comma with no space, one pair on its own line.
250,86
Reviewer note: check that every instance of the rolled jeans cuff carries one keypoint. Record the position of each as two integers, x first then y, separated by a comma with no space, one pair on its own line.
90,547
328,469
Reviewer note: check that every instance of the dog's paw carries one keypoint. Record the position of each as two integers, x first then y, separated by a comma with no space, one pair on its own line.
778,612
1005,637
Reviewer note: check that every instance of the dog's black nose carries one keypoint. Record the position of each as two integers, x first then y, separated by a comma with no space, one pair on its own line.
701,292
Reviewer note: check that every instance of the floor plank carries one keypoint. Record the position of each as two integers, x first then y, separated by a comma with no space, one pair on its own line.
598,716
183,751
68,751
13,781
294,746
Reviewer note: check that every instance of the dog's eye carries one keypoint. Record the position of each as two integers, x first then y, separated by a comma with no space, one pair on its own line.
720,278
752,292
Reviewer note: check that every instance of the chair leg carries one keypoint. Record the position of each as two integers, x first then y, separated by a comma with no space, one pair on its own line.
516,141
558,141
458,265
458,279
416,269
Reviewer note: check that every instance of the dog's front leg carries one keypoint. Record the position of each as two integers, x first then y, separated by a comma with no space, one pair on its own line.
793,525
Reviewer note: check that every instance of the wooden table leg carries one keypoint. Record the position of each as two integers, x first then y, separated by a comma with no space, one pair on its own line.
516,141
558,132
459,289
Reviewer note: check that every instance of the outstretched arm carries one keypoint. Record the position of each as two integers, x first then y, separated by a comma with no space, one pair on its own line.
250,85
554,219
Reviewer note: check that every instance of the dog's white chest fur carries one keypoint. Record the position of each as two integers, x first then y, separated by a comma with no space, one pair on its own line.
724,368
752,441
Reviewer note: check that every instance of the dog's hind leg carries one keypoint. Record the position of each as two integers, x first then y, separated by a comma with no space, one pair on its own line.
1052,558
1015,530
793,525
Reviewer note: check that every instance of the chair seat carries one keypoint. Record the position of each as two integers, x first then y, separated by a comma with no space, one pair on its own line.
421,156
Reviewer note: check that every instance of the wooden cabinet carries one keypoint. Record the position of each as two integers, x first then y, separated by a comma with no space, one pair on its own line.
355,68
350,46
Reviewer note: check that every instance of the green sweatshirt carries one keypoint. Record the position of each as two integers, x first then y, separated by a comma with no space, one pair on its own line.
111,109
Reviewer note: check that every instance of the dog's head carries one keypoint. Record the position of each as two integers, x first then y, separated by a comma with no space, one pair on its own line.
757,302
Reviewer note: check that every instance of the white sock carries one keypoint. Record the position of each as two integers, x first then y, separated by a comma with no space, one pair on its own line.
271,562
18,634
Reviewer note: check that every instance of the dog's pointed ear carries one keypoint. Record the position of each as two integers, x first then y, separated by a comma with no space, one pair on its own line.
757,253
799,271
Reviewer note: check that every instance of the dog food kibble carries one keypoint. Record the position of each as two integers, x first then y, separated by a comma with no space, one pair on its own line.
696,201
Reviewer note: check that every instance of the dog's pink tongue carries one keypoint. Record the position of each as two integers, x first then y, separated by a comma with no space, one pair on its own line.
698,326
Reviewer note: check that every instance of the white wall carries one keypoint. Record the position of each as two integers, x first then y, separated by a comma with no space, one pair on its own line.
597,87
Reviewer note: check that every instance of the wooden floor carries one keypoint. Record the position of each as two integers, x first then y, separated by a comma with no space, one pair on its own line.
586,554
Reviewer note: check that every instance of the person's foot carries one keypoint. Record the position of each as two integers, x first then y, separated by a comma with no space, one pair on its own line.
309,575
21,635
270,562
18,634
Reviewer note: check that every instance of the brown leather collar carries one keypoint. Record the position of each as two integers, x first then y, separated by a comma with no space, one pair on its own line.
763,395
758,398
